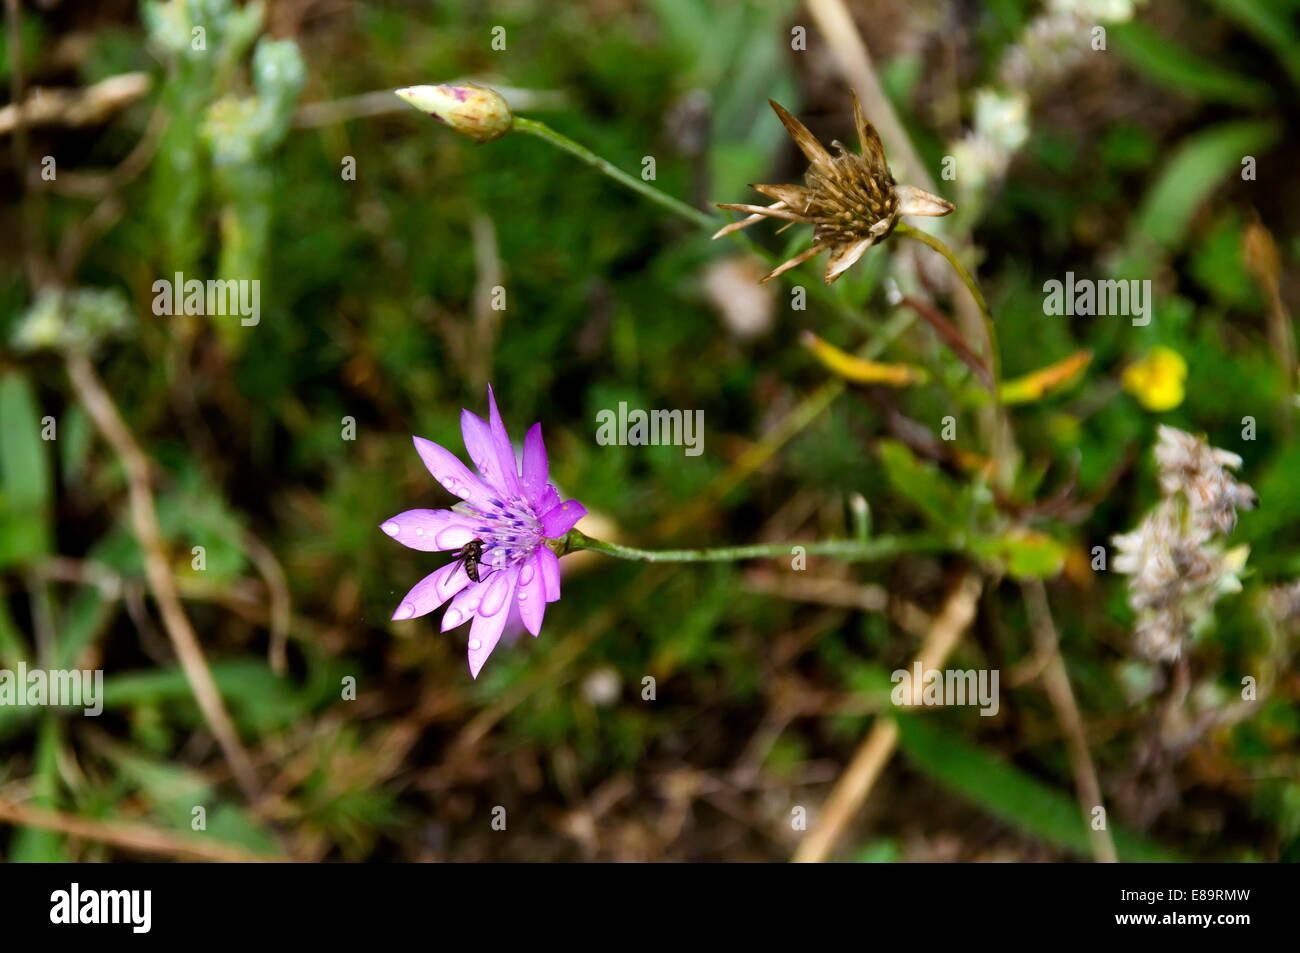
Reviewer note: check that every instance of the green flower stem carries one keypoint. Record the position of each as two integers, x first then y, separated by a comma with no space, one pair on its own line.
1002,449
544,132
925,238
691,214
852,550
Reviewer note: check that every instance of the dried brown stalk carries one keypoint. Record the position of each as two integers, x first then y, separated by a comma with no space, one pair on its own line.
90,389
860,776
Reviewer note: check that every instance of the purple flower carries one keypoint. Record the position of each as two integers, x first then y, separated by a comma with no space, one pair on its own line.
508,513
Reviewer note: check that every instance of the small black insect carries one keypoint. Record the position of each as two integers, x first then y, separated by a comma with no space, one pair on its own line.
471,557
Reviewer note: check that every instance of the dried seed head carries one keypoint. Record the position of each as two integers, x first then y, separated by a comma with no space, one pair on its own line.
851,200
474,111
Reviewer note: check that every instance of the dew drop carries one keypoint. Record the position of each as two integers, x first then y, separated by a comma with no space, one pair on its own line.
526,575
404,611
391,528
475,645
452,619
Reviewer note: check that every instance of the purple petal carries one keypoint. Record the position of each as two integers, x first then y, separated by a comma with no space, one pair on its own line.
531,594
482,448
463,607
548,499
537,469
514,626
558,521
497,591
484,598
505,449
486,630
432,591
430,530
454,476
549,565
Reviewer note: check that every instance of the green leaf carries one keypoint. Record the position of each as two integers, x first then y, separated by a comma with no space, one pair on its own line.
33,845
12,647
24,474
941,500
1008,793
1200,164
24,467
260,699
1025,554
80,623
1268,25
22,535
74,442
1165,61
173,792
878,852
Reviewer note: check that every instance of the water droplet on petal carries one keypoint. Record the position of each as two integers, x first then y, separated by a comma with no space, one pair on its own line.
523,594
474,645
453,619
391,528
526,574
451,538
404,611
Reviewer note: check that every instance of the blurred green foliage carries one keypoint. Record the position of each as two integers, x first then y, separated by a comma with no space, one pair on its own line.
372,309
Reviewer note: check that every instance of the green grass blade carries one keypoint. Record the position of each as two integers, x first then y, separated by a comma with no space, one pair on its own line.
1011,795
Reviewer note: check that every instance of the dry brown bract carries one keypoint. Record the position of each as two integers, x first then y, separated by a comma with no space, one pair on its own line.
851,201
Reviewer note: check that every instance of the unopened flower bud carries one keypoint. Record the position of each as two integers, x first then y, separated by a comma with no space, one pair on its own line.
474,111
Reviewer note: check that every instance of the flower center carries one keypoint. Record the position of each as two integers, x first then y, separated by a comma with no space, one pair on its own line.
509,530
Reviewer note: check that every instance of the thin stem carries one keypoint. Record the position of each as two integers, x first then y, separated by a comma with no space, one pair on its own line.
853,550
542,131
144,517
952,337
691,214
1056,680
925,238
143,838
18,145
1002,447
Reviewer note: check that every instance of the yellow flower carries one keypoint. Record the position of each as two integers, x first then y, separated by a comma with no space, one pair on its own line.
1157,380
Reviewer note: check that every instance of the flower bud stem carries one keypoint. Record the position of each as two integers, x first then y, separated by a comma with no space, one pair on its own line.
542,131
851,550
704,220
